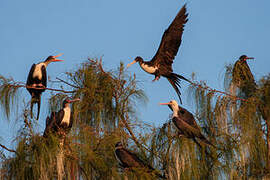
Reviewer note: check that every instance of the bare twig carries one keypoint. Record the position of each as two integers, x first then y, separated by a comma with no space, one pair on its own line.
99,64
10,150
61,80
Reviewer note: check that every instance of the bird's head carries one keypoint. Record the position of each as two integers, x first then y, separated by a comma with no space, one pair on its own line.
244,58
137,59
68,100
173,105
118,145
53,59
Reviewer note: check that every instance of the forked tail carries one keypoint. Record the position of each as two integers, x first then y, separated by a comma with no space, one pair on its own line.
175,80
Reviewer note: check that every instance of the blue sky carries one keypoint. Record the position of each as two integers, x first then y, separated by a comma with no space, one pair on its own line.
217,33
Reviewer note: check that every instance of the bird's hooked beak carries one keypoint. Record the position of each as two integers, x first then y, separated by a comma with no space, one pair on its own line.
74,100
55,58
249,58
169,104
128,65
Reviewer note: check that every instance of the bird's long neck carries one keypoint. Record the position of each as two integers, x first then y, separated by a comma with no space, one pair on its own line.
46,63
175,111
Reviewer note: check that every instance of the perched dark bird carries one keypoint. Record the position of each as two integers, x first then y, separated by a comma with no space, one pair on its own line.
60,122
161,63
37,78
242,76
129,160
185,123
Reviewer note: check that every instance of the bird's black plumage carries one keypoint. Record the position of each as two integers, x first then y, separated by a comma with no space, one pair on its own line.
161,63
37,78
37,83
129,160
185,123
56,124
242,76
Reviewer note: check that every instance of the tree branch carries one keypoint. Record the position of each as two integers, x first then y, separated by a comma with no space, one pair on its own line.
135,139
207,88
10,150
61,80
51,89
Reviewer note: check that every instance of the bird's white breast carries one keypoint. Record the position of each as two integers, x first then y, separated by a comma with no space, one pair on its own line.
148,69
37,72
66,118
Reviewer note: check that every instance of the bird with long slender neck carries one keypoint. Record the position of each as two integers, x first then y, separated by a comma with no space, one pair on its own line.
185,123
161,63
242,76
129,160
37,81
62,121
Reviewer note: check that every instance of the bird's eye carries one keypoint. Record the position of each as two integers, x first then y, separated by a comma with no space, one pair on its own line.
182,112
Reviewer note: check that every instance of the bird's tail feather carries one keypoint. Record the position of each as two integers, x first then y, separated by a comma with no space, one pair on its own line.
39,101
182,77
204,140
35,100
175,80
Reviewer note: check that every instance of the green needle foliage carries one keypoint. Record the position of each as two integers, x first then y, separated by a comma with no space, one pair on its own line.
8,94
104,116
236,121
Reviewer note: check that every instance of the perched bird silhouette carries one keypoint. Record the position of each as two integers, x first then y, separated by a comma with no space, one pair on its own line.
62,121
129,160
37,78
242,76
161,63
186,124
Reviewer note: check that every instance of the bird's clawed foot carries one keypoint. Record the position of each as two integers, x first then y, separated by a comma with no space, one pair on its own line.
156,78
40,85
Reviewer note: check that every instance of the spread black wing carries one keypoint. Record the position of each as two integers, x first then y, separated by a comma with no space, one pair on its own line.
171,40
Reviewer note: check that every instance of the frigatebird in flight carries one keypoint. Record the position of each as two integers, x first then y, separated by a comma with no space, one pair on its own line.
242,76
62,121
185,123
129,160
161,63
37,78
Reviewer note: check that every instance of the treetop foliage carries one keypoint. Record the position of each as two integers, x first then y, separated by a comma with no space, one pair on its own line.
236,121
